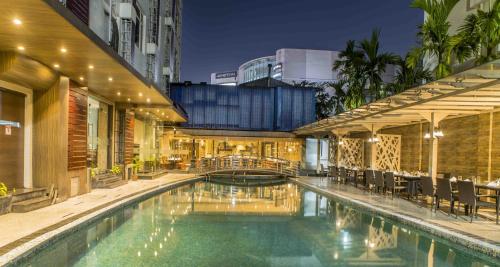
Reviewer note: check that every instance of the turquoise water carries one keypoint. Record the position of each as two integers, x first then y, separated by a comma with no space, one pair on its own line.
214,225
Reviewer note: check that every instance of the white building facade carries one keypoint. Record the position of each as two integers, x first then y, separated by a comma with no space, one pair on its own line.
288,65
146,33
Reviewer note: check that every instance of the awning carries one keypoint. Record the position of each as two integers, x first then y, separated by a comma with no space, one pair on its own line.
47,32
467,93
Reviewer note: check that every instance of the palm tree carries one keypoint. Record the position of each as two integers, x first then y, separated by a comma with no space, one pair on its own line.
374,64
340,95
407,77
351,73
436,42
480,35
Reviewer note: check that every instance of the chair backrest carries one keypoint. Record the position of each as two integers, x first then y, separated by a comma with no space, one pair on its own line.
443,188
379,178
389,179
369,176
342,173
427,186
466,193
333,170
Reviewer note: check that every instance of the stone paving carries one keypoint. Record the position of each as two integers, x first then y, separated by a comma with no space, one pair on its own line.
482,234
20,228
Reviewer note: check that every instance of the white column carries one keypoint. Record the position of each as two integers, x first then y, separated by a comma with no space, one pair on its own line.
318,155
433,149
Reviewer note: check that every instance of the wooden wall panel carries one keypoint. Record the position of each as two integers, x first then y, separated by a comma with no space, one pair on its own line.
50,137
458,149
129,138
77,130
12,146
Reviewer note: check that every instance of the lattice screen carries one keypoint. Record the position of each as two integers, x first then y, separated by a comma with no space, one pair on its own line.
332,150
351,152
388,152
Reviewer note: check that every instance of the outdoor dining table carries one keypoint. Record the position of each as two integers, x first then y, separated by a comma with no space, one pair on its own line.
497,193
412,184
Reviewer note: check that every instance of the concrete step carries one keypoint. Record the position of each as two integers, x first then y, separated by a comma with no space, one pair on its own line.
31,204
104,182
29,193
114,184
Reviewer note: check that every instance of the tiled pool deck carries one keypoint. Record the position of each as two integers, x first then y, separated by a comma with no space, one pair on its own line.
481,235
20,231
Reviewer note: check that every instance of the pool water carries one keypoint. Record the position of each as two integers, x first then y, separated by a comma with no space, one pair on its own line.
207,224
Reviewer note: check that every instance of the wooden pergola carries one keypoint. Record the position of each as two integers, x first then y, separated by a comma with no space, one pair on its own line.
470,92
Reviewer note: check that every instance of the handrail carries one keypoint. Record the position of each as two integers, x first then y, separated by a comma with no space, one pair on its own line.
276,165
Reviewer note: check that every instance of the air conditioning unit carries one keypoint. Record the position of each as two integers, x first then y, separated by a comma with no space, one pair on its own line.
169,21
150,48
167,71
127,11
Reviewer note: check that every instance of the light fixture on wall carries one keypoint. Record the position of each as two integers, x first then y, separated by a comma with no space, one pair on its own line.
373,138
340,142
437,134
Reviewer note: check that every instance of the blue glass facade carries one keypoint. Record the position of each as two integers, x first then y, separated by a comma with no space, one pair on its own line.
245,108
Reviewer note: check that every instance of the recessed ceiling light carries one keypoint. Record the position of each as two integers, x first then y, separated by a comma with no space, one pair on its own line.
140,109
110,79
81,78
17,21
20,48
56,66
140,94
63,50
91,67
128,99
147,113
157,110
163,113
148,100
118,93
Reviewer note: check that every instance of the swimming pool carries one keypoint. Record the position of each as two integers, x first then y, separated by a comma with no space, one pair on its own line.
206,224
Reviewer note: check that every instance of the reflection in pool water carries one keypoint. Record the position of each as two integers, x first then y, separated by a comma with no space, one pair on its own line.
215,225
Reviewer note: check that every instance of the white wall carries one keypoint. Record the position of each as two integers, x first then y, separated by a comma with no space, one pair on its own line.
304,64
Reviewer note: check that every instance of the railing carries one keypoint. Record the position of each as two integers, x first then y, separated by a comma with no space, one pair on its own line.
275,165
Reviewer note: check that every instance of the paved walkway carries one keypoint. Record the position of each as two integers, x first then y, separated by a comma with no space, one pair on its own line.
480,233
20,228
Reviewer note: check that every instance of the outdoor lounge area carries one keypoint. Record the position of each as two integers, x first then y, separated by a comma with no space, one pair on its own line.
437,141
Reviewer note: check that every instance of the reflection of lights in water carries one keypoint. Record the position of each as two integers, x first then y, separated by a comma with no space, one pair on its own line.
233,201
145,245
372,245
165,239
168,234
138,253
156,253
161,245
366,241
336,255
338,224
150,239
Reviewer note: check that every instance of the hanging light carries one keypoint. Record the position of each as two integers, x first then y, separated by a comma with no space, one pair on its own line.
373,139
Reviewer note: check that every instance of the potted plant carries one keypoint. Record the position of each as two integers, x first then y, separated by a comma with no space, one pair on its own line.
5,199
116,170
135,169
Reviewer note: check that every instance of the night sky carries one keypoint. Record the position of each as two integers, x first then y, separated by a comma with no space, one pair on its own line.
219,35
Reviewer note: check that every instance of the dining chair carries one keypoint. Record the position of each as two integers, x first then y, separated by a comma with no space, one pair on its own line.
390,184
444,192
333,173
428,188
467,196
369,179
379,181
342,177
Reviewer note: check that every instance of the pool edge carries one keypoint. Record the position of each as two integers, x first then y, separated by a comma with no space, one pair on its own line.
478,246
40,242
